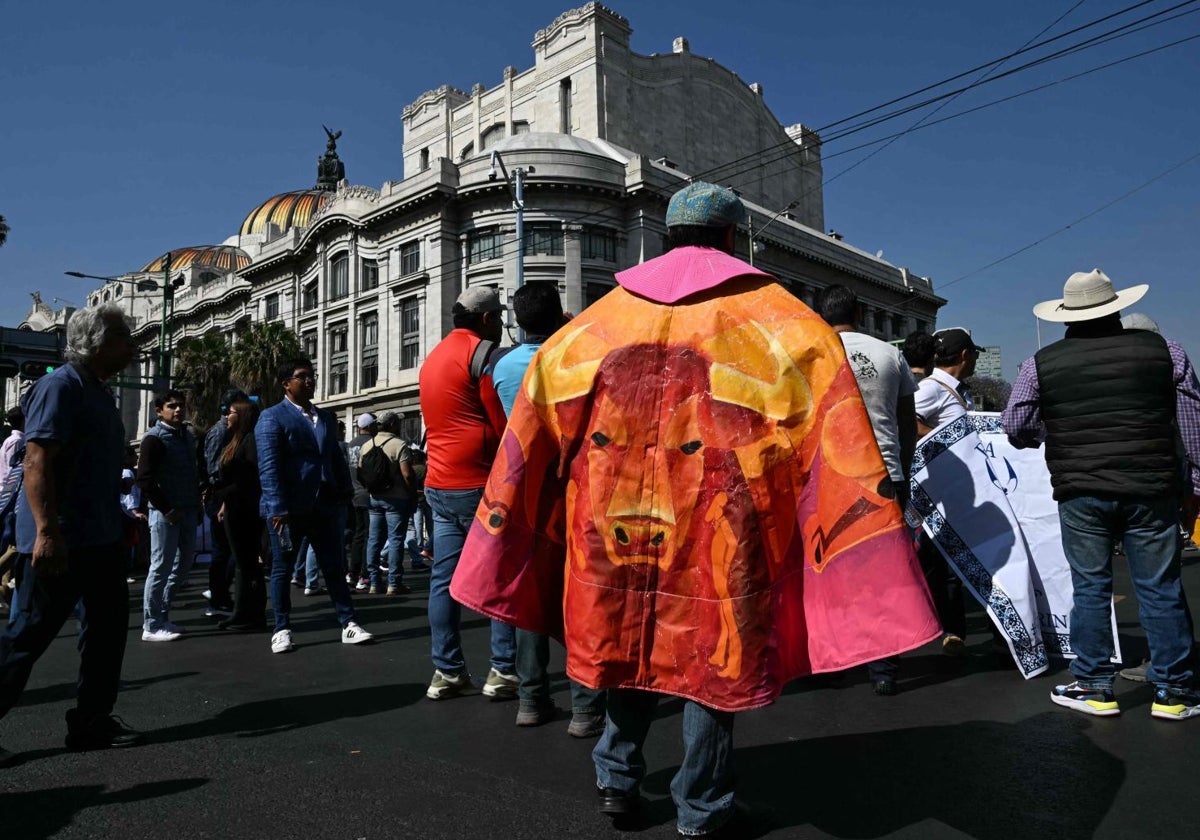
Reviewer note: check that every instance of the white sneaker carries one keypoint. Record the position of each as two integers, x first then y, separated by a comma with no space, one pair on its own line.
163,635
281,642
312,590
352,634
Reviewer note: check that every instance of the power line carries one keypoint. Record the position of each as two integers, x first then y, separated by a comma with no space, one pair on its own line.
715,173
1069,225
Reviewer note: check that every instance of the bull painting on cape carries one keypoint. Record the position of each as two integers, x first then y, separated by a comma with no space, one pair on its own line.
690,494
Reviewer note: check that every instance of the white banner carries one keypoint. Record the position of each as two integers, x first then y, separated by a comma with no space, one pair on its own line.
989,508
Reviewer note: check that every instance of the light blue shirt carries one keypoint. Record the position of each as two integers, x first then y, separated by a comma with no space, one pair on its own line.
509,373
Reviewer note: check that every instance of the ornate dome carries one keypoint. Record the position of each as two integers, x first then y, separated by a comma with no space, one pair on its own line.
288,210
223,258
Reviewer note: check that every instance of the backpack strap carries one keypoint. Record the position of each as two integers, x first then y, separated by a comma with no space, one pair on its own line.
479,358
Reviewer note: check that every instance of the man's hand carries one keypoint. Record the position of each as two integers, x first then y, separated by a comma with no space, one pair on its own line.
50,553
221,513
1191,506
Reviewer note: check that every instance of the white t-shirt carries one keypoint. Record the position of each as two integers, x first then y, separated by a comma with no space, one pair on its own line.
883,378
939,400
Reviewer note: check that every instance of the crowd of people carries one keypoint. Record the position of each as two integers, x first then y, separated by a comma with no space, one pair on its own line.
699,488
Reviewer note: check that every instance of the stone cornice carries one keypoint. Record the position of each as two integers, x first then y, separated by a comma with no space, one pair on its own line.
431,96
570,16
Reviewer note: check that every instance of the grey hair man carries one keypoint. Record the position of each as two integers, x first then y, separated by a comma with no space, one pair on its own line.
70,528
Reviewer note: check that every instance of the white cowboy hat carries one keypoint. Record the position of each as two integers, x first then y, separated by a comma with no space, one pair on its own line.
1088,295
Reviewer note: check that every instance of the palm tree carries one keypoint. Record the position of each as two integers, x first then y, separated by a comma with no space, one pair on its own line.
256,356
203,364
4,228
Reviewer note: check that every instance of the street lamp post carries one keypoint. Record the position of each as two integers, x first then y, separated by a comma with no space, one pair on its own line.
754,235
516,186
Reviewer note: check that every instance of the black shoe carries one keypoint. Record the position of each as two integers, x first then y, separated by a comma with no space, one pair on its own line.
885,687
618,803
100,732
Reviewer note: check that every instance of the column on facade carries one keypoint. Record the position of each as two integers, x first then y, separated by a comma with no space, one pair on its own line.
389,318
353,354
322,362
573,297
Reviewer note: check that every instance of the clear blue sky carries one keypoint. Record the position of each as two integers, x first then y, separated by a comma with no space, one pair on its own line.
130,128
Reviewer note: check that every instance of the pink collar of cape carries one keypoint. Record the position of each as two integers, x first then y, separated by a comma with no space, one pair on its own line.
684,271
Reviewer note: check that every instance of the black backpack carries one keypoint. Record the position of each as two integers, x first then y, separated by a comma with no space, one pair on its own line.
375,470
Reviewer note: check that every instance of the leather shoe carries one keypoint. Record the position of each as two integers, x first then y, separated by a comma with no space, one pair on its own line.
618,803
885,687
99,732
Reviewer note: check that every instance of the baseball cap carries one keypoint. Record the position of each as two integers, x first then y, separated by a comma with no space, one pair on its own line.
954,340
705,205
480,299
365,420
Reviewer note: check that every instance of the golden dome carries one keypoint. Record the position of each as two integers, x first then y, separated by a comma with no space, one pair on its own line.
223,258
288,210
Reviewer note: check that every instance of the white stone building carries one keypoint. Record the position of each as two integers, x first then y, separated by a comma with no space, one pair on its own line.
367,277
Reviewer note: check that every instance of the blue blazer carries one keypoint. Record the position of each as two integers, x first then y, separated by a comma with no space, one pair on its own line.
295,458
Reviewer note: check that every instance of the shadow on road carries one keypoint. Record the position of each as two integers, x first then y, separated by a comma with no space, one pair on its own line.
990,781
270,717
40,814
66,691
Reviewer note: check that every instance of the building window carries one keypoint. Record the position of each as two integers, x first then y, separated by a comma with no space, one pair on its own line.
410,257
520,127
338,378
592,292
339,277
544,239
600,244
272,307
410,427
310,297
564,105
338,338
922,326
208,277
424,160
369,330
484,245
410,333
117,291
878,323
490,137
370,275
467,151
897,326
369,373
308,345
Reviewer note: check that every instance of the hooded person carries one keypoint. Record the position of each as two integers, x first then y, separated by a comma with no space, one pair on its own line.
689,491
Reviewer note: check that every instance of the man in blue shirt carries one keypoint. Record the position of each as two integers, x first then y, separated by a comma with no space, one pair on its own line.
70,529
305,484
539,313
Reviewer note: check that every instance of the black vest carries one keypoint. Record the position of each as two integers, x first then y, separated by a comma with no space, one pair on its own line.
1108,402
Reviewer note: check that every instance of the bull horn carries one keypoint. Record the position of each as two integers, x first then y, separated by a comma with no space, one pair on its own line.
554,381
787,399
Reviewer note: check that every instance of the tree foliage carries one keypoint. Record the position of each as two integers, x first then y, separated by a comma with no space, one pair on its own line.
257,355
202,365
990,394
4,229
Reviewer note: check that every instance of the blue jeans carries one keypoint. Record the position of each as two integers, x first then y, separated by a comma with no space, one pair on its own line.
388,521
322,527
172,550
421,519
702,788
1149,531
533,658
453,513
305,568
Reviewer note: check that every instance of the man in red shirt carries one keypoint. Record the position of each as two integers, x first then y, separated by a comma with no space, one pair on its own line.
464,421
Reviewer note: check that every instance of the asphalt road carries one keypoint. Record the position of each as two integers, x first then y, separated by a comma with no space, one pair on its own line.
334,741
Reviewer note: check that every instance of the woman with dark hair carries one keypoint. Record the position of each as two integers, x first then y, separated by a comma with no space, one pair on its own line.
238,491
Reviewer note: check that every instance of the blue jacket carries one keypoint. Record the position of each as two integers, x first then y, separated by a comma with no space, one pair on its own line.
295,459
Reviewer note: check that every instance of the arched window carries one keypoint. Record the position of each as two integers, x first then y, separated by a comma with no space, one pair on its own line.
492,136
467,151
339,276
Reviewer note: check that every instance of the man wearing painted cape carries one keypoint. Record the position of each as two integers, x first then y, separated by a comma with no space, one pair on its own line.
690,494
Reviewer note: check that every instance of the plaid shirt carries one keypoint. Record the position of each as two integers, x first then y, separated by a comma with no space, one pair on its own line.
1022,418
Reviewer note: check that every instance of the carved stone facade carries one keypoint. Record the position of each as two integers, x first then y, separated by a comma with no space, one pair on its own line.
604,136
